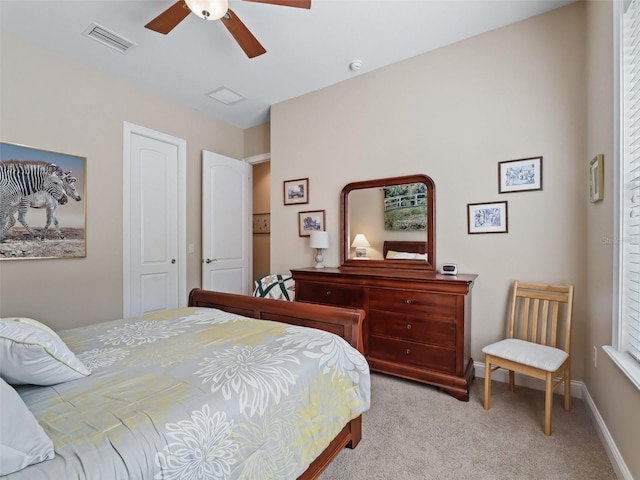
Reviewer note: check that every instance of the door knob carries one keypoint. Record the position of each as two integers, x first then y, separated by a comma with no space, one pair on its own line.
208,260
173,260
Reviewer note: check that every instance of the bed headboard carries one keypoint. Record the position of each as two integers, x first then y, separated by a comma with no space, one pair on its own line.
403,246
344,322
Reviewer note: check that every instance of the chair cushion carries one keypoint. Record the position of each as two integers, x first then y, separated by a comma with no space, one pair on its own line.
532,354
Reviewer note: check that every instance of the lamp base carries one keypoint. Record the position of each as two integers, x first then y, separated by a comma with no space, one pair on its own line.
361,252
319,258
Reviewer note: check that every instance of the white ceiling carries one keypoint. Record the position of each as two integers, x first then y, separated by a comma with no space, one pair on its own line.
306,49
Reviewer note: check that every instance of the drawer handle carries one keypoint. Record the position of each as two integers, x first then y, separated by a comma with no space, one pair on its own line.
408,351
409,302
328,292
408,326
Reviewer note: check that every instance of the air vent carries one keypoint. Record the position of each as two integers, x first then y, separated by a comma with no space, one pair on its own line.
108,38
226,96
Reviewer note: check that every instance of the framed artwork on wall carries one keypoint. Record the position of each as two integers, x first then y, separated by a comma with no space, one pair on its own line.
49,222
296,192
596,178
309,221
489,217
520,175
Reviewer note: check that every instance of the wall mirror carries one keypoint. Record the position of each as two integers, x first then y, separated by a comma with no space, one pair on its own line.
389,223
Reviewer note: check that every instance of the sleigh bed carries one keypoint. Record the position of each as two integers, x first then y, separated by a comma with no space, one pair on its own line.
232,387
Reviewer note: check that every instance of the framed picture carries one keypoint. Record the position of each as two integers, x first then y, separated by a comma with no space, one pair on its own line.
520,175
48,224
261,223
308,221
296,192
487,217
596,178
405,207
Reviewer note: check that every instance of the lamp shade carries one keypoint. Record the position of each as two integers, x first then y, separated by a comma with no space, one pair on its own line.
360,241
319,239
208,9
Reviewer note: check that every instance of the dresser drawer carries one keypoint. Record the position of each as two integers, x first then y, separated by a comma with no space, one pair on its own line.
330,293
412,327
406,352
435,306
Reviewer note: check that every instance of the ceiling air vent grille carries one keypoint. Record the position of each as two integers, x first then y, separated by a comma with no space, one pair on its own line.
108,38
226,96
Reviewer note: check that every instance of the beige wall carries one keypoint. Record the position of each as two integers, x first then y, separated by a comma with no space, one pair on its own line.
261,204
616,398
453,114
54,103
257,140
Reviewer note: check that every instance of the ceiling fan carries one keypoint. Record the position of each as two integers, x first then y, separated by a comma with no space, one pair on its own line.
218,10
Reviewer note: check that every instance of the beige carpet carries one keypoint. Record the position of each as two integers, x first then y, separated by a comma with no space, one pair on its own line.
414,431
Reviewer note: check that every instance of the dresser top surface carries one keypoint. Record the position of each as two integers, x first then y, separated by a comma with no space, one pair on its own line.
388,273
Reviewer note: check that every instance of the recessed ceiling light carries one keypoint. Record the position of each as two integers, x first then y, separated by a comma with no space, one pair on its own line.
226,96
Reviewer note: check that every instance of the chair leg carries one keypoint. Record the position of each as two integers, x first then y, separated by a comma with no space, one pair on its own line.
567,390
512,381
548,403
487,384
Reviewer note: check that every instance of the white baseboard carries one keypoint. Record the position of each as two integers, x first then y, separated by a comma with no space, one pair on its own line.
609,445
578,390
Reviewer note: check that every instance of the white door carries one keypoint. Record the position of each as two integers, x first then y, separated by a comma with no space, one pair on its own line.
154,225
226,221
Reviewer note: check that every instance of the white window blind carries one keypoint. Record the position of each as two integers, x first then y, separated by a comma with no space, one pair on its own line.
630,186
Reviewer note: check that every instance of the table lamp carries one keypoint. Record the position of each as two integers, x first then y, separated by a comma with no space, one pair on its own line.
319,240
360,243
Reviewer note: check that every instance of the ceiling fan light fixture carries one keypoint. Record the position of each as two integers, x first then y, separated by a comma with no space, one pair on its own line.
208,9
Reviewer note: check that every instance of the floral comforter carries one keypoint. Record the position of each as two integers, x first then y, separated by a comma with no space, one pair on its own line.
197,393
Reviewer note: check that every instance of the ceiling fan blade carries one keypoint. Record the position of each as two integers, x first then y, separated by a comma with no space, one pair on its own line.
286,3
243,36
170,18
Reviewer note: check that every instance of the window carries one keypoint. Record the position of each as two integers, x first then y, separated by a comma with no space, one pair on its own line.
626,349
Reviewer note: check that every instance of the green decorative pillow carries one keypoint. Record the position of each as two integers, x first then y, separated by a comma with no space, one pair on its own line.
279,287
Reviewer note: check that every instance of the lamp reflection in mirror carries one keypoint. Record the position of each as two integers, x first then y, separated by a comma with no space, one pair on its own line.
319,240
360,243
208,9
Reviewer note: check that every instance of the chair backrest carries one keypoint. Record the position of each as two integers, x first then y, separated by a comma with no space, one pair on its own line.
542,314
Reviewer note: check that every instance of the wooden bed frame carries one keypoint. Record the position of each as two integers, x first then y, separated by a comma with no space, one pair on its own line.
345,322
403,246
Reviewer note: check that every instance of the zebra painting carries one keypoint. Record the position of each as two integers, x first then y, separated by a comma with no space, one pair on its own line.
43,199
19,179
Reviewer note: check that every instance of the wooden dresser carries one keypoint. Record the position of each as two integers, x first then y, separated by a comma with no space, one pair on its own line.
417,323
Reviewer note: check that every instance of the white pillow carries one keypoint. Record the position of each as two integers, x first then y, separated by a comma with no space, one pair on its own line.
31,353
22,439
400,255
31,321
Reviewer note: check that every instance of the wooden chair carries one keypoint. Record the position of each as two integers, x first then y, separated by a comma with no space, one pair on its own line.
539,342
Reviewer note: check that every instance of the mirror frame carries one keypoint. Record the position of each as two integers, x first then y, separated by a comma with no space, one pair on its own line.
430,264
